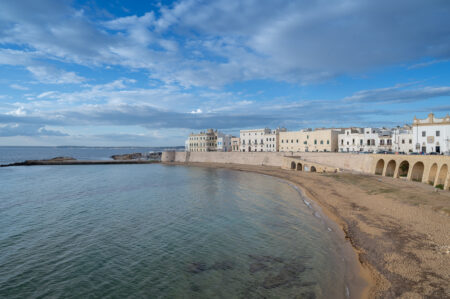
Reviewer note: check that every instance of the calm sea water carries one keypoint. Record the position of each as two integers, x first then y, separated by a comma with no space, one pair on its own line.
158,231
11,154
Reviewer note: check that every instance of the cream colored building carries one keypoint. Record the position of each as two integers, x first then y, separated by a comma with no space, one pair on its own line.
432,134
235,141
203,142
319,140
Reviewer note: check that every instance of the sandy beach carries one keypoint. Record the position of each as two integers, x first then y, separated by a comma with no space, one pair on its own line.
399,229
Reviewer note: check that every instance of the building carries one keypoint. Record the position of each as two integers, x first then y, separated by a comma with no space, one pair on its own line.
319,140
253,140
235,141
403,139
373,139
223,142
351,140
203,142
432,134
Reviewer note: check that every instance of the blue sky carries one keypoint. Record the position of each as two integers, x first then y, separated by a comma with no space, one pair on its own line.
133,73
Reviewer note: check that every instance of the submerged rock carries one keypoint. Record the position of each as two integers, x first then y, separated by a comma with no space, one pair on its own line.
258,266
286,275
197,267
224,265
266,258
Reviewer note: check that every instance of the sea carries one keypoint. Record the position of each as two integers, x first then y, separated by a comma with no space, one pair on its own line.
161,231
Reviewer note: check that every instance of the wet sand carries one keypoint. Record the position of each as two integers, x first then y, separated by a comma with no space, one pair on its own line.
399,229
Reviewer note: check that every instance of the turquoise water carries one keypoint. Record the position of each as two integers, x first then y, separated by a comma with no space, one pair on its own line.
157,231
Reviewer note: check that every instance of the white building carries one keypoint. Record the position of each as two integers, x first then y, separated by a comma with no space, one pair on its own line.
253,140
432,134
260,140
223,142
374,139
403,139
352,140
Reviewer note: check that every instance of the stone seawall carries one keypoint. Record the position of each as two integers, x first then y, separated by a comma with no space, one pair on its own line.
254,158
354,162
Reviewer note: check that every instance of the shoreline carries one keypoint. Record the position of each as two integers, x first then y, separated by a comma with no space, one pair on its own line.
396,259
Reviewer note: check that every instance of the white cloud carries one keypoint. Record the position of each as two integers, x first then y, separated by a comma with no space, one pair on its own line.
18,87
51,75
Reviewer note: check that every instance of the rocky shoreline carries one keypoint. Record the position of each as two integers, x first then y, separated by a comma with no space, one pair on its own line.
73,161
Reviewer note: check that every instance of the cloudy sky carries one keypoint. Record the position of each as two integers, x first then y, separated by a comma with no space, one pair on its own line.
148,72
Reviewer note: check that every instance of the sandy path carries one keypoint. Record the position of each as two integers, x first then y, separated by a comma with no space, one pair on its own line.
400,229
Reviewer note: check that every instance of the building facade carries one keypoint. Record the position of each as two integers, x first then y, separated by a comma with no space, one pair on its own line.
403,139
202,142
235,142
373,139
432,134
351,140
223,142
319,140
253,140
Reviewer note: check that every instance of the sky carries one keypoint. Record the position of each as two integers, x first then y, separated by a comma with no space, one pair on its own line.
148,73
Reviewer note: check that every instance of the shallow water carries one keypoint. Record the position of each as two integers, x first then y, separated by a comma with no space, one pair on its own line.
162,232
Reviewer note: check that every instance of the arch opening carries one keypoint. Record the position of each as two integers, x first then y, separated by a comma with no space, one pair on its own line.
379,167
403,169
390,168
442,177
299,167
292,165
313,169
417,172
433,172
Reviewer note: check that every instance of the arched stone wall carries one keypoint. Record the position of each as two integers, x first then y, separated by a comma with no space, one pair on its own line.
313,169
379,168
443,177
293,165
403,169
417,172
299,167
390,168
432,174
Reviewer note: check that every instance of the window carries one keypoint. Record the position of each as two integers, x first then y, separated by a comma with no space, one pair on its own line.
315,141
297,140
304,142
410,141
438,133
328,141
424,134
292,140
321,141
403,141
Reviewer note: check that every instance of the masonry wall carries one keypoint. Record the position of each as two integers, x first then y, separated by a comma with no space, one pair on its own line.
362,163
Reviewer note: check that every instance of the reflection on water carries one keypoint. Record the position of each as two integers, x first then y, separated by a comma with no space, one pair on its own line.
161,231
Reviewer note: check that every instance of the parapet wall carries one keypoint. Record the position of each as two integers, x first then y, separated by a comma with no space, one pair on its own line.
362,163
254,158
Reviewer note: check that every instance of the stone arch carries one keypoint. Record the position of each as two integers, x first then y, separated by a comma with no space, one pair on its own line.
417,172
432,175
379,167
293,165
390,168
313,169
403,169
299,167
442,177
